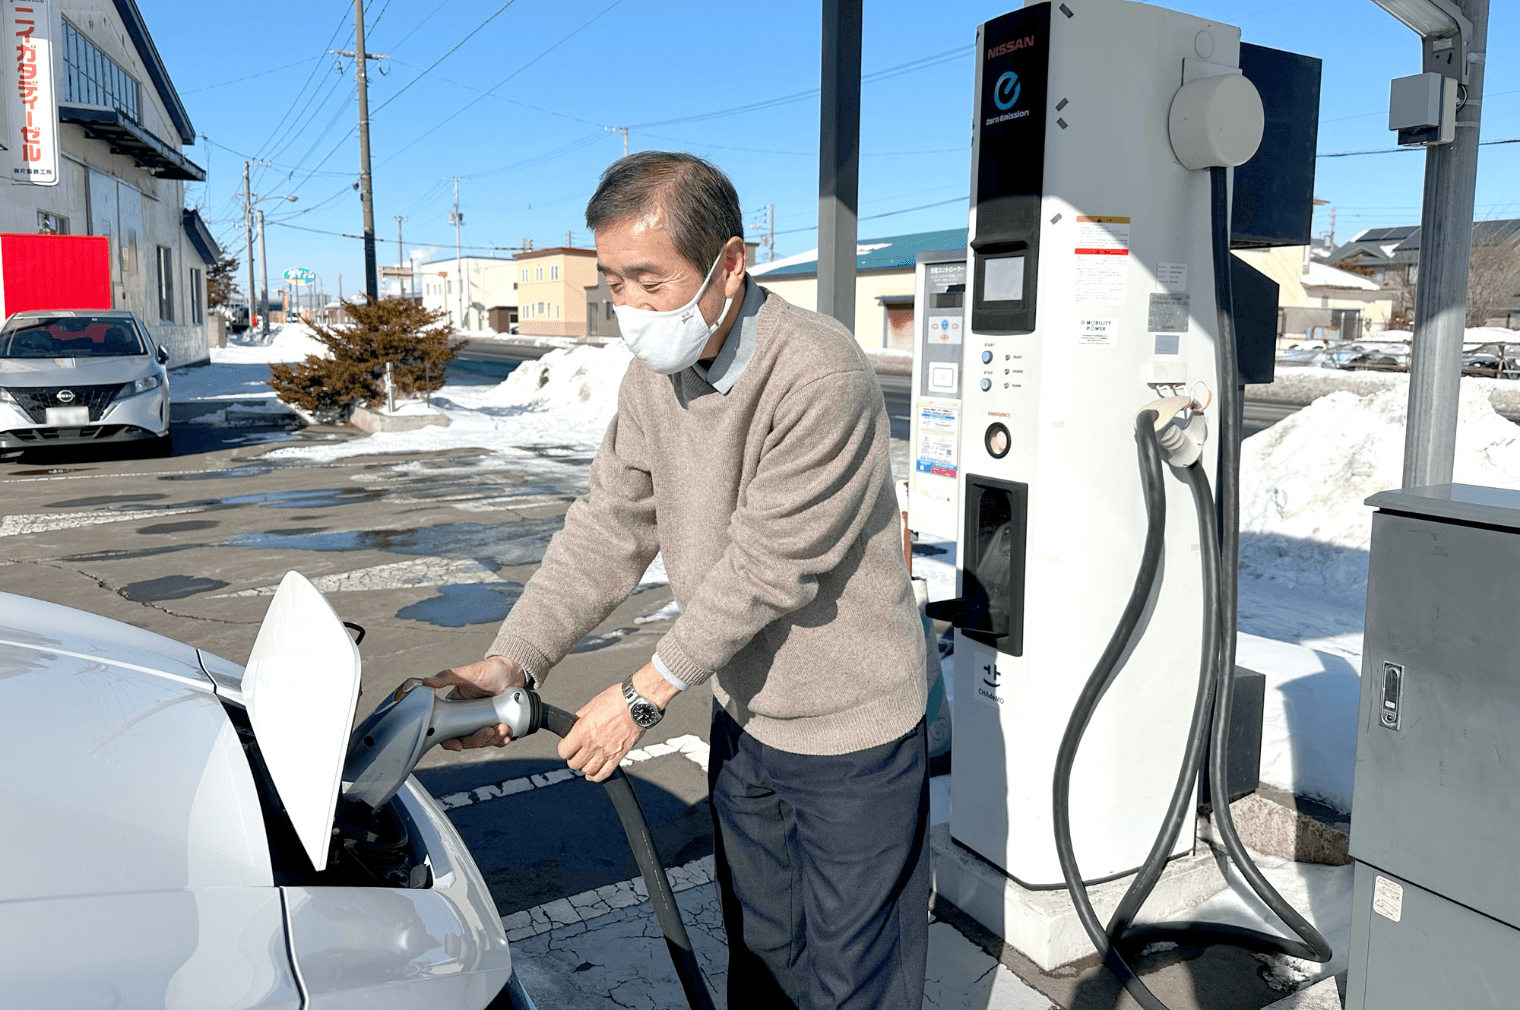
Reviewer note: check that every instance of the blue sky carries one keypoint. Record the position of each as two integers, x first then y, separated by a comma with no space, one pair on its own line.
518,111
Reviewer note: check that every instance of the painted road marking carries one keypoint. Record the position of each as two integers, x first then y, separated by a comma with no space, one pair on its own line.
589,905
693,748
47,522
419,573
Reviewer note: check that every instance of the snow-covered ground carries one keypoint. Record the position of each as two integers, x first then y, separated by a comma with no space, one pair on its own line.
240,371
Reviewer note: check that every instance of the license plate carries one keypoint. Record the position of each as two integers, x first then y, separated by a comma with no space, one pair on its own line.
68,417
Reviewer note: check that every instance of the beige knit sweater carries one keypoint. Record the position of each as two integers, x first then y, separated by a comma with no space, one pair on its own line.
774,509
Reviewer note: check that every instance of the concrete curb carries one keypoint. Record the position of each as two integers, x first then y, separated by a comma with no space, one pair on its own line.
373,421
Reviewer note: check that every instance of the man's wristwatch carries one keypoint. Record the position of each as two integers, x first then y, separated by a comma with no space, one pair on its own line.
644,711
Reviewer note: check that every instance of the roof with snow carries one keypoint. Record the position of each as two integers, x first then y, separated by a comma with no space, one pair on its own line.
889,253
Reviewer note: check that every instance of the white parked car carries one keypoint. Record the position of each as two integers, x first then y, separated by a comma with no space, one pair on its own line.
175,837
76,377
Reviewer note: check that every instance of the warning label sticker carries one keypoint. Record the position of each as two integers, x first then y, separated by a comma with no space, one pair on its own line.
1097,332
939,427
1102,251
1387,898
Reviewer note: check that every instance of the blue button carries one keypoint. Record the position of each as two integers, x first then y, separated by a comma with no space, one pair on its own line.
986,357
986,385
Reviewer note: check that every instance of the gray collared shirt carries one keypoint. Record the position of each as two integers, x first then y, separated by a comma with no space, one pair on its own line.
735,354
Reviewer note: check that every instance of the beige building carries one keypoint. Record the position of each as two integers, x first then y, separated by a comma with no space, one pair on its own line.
1315,301
488,285
122,174
551,290
883,283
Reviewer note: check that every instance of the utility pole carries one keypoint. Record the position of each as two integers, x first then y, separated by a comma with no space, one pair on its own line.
569,237
1440,310
400,255
248,229
457,220
839,159
770,241
366,193
624,131
263,280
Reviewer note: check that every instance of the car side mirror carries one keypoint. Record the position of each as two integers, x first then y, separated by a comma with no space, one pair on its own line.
163,355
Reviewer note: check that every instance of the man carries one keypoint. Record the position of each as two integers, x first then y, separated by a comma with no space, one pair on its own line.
750,448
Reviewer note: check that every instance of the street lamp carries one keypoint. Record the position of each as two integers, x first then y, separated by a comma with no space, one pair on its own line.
1439,110
263,268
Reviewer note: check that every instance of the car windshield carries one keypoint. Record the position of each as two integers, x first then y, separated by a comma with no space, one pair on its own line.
71,337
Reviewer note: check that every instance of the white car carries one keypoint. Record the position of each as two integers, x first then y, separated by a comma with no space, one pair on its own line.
165,810
76,377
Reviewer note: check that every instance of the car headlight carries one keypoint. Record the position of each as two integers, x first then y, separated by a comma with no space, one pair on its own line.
142,385
6,397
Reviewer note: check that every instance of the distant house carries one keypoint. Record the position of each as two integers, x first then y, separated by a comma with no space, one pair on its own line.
883,283
1318,301
484,287
1391,257
551,290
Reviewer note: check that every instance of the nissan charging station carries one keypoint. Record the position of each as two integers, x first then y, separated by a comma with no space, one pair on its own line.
1077,401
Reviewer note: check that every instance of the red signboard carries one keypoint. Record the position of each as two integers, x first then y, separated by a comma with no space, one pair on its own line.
54,272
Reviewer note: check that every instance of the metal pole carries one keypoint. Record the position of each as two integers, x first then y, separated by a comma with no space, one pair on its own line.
248,228
263,281
839,159
457,220
400,256
770,242
366,196
1446,219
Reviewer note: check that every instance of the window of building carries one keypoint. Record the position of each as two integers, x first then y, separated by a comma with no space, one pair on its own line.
610,313
556,310
538,273
197,312
554,272
51,224
1414,273
165,284
451,285
93,78
525,275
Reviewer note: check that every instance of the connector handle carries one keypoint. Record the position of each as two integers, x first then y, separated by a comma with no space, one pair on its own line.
517,707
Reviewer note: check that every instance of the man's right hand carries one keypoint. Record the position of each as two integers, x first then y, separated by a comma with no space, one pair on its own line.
491,676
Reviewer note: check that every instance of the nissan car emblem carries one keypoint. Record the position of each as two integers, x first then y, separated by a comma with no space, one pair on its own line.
65,396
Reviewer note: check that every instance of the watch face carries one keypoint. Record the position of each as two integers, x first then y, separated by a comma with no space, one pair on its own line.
645,714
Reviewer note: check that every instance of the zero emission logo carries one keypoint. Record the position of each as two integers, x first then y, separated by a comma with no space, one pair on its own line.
1006,91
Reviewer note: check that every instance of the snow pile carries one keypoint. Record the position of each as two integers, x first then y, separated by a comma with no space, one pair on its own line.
1304,481
565,399
287,342
582,381
1305,533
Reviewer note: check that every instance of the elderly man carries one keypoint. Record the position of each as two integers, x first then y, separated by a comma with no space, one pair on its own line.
750,449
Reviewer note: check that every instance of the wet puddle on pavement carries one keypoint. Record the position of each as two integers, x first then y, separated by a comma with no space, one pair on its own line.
168,587
457,606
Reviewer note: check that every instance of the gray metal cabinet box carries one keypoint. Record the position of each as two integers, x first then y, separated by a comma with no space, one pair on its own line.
1436,803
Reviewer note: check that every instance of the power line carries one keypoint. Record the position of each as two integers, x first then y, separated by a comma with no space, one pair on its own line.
344,234
425,19
584,25
326,46
1396,150
472,33
876,75
886,213
239,80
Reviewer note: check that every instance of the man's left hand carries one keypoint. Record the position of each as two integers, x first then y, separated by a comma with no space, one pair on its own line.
605,732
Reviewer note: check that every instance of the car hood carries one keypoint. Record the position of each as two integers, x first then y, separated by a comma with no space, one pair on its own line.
39,625
74,371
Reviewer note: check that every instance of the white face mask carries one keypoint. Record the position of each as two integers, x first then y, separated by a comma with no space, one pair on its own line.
673,340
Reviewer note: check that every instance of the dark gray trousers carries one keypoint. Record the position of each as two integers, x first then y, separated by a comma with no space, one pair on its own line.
823,870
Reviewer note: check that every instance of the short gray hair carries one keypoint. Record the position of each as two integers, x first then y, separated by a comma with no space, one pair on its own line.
699,204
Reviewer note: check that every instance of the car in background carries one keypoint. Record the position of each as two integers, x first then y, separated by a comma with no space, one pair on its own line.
176,834
1500,361
80,377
